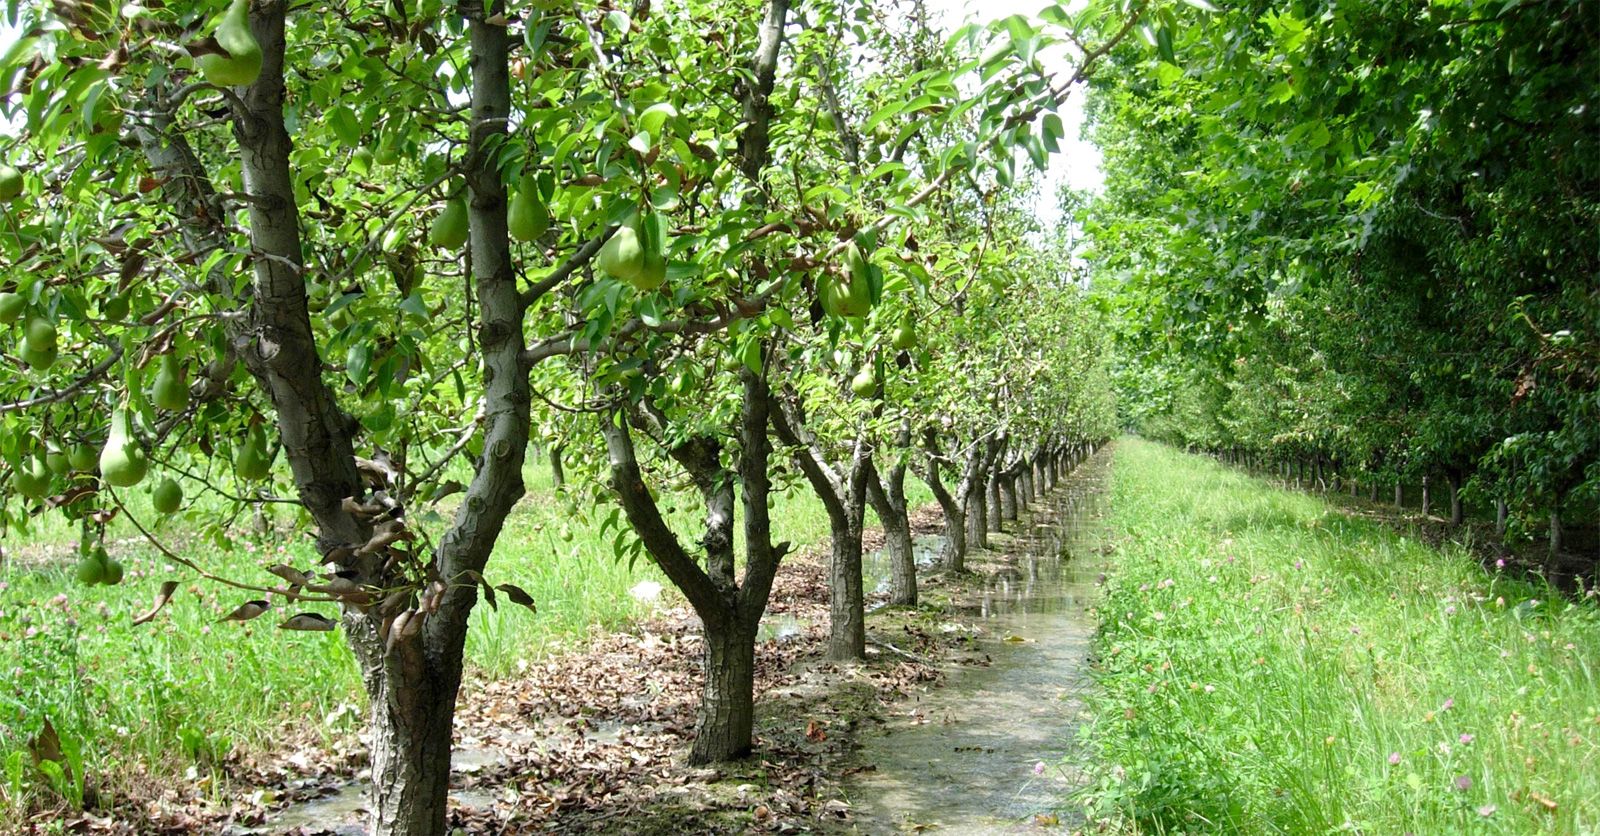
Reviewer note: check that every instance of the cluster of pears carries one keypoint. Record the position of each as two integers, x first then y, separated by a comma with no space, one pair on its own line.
97,567
849,295
39,343
39,339
527,218
636,253
241,63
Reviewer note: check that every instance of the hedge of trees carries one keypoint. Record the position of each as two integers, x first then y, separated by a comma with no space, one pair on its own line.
1364,238
327,254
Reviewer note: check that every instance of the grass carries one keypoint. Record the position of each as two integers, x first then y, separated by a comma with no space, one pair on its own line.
174,697
1268,664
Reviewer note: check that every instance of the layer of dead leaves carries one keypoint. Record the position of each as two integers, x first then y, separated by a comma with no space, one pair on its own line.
594,741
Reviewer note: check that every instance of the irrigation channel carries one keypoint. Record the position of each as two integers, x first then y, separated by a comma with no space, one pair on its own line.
982,753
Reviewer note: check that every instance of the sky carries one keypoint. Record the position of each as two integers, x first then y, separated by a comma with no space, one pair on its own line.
1078,164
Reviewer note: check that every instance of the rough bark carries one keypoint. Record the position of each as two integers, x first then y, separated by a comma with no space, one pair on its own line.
974,501
1008,495
725,724
1500,515
887,493
992,504
955,522
844,497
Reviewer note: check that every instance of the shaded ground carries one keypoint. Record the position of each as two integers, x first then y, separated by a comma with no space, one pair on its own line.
593,741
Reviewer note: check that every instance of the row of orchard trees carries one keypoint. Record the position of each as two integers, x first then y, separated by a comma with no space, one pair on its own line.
708,247
1365,236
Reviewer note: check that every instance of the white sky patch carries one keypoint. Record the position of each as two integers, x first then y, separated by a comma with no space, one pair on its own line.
1078,164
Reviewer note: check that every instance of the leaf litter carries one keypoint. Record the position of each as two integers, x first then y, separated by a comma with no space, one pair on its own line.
595,740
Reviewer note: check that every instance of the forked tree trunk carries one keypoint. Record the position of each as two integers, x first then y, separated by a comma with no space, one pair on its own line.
843,491
729,611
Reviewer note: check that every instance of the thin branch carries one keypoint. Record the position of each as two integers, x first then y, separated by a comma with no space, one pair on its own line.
183,561
70,389
583,255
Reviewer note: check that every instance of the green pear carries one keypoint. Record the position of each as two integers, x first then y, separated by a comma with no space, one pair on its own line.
242,63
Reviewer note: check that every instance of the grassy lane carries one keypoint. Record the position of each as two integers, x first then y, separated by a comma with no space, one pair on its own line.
1270,665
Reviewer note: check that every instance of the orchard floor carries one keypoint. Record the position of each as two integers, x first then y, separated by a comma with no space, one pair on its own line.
592,741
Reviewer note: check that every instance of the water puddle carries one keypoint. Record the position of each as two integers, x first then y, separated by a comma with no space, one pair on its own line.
775,627
875,569
343,812
982,753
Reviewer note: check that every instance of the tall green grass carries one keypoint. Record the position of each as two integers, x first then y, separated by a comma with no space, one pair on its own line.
176,695
1270,665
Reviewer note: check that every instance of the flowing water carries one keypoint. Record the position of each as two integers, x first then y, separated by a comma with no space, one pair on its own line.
982,752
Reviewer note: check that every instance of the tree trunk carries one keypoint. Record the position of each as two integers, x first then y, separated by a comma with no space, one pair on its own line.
847,635
413,711
955,523
725,724
992,506
1556,535
1427,496
1008,496
975,513
1372,491
889,502
1457,514
1500,515
1399,495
